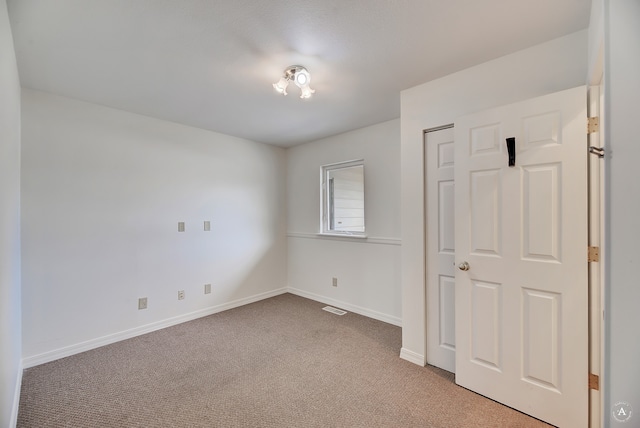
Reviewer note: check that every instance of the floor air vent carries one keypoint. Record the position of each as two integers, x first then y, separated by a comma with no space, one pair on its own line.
334,310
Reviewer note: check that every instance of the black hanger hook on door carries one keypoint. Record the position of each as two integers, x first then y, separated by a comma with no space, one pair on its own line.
511,148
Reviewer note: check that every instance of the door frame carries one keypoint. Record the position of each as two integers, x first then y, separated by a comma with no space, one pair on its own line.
596,269
596,193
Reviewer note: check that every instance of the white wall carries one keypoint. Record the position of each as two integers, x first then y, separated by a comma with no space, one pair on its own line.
595,62
10,309
622,204
102,193
367,270
546,68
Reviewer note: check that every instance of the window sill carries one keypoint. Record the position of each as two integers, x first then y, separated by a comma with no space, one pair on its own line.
342,235
360,238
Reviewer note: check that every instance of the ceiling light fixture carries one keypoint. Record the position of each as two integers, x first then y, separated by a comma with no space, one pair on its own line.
300,76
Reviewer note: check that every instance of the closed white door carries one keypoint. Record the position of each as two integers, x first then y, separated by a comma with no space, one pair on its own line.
440,194
521,305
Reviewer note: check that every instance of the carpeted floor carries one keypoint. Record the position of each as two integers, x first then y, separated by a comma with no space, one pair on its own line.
281,362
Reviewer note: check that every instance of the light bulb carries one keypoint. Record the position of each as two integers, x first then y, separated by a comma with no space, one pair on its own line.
281,86
302,77
306,92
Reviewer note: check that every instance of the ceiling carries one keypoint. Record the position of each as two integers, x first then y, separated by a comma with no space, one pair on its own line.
210,63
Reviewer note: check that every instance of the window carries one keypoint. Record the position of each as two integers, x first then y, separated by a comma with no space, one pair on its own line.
343,198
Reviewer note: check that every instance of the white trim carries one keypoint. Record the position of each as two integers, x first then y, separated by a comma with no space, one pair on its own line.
596,270
412,357
342,235
389,319
137,331
343,164
13,422
351,238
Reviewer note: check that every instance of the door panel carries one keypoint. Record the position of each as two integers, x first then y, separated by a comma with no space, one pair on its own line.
540,338
521,308
446,223
485,212
446,319
542,185
440,258
486,331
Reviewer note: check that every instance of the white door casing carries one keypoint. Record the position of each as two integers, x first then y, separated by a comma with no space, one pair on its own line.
596,226
440,254
521,309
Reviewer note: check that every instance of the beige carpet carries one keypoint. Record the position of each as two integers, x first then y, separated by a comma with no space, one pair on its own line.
281,362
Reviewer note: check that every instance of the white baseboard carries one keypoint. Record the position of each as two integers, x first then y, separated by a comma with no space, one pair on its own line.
412,357
148,328
137,331
16,397
347,306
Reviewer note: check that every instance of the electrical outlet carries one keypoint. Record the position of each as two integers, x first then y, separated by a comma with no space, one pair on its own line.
181,226
142,303
181,295
335,282
207,289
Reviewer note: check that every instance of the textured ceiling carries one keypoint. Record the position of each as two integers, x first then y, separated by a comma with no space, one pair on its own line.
211,63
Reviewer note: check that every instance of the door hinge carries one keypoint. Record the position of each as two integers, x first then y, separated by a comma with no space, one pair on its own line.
598,151
593,124
593,254
594,382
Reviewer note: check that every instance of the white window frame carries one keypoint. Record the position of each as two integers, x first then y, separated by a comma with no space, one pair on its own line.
326,201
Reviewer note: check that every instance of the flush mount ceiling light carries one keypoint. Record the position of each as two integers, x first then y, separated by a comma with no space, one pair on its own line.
300,76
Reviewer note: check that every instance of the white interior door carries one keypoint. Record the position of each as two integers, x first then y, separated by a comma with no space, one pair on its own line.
521,307
440,195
